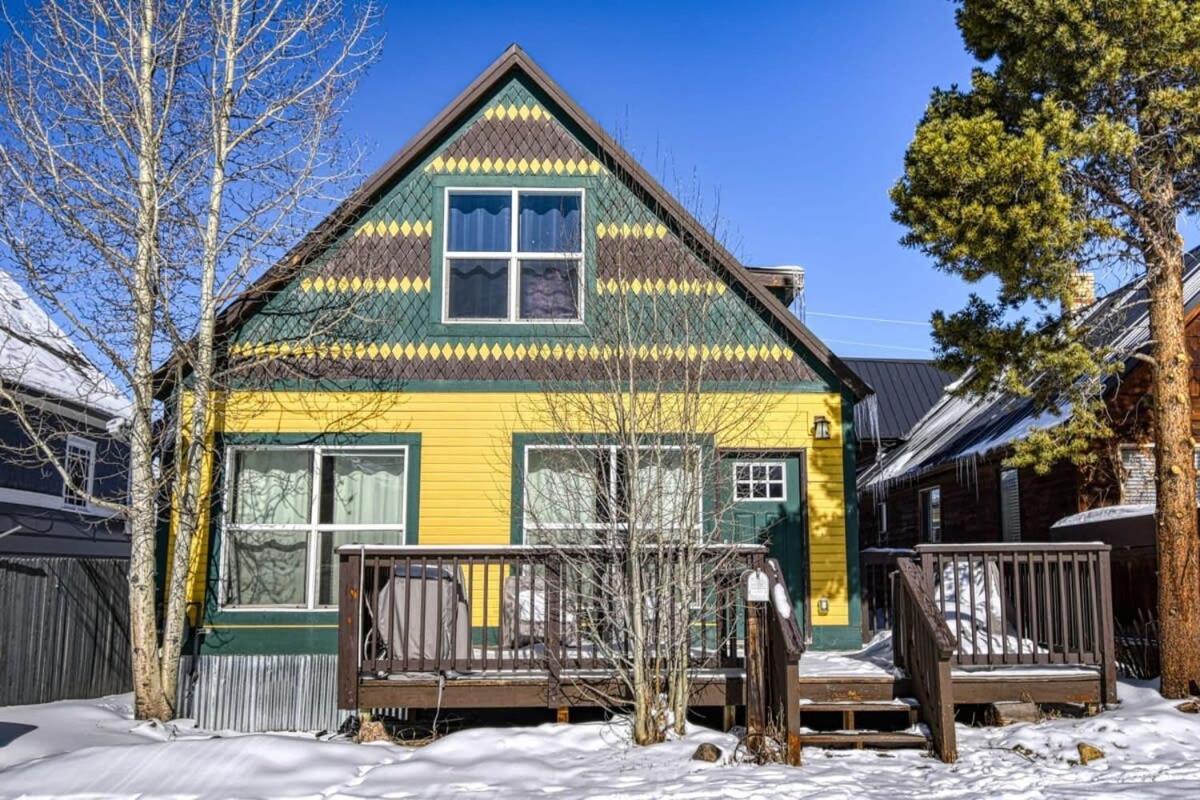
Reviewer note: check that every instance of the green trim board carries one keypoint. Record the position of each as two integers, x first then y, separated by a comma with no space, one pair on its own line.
850,490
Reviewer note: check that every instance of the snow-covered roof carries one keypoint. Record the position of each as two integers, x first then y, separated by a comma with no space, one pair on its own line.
35,353
960,428
1106,514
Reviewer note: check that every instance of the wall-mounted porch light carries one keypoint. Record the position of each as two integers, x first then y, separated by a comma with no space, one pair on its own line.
821,428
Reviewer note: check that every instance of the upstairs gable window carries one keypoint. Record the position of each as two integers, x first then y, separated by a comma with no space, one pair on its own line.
506,266
80,464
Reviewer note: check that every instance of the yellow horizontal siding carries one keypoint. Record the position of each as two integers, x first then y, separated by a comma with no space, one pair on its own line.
466,459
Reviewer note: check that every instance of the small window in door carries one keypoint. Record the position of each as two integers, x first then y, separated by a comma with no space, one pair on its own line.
881,519
759,480
931,513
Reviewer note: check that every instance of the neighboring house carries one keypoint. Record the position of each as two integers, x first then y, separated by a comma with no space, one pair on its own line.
947,482
425,400
63,561
905,389
78,413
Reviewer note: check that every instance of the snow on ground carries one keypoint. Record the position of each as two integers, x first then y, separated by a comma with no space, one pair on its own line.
92,749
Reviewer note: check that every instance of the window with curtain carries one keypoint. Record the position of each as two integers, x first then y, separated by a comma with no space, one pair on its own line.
292,507
578,493
506,267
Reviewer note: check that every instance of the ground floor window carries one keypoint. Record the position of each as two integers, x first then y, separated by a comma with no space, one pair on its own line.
580,494
288,509
931,513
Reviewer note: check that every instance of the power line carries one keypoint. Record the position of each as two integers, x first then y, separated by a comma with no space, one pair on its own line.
868,319
924,350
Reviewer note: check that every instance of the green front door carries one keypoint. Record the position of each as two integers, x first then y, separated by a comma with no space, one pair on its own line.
764,498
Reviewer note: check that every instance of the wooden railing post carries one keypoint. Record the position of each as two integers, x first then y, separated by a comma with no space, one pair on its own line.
553,629
756,705
1107,644
349,660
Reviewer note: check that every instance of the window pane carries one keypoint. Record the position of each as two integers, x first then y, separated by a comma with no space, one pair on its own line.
273,487
562,486
363,489
550,223
775,472
478,289
267,568
327,585
667,490
549,289
741,472
479,222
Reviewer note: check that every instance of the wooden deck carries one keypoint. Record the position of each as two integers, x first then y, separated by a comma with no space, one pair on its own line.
971,625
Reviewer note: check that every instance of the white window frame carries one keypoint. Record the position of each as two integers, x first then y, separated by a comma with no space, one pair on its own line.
312,529
782,483
513,255
528,525
87,447
926,530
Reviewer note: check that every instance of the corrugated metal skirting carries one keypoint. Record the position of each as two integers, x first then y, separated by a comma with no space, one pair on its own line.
64,628
260,692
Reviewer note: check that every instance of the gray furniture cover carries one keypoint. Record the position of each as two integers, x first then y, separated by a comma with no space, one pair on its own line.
424,590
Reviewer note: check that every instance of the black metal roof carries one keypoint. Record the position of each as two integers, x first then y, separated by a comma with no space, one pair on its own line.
905,387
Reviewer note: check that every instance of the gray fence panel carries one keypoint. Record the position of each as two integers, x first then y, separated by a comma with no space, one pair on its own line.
64,628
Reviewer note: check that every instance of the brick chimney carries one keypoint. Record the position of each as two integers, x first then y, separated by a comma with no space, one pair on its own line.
1081,291
786,282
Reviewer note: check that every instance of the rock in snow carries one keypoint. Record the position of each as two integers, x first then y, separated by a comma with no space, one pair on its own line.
707,752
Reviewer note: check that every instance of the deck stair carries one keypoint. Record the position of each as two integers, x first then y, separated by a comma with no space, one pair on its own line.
858,724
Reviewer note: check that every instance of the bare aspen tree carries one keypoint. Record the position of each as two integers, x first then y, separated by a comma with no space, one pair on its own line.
629,487
153,157
276,77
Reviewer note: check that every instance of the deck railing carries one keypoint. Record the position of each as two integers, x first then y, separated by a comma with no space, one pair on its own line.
1026,604
411,610
875,568
924,646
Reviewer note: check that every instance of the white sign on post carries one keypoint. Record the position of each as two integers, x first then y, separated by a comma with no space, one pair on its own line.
758,587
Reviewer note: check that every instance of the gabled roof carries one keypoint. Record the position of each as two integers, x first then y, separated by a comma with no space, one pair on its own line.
35,354
615,158
905,388
963,427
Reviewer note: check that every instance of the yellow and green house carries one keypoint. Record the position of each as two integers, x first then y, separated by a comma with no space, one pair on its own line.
387,384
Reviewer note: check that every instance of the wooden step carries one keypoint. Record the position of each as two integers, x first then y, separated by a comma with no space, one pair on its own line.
866,739
865,689
899,705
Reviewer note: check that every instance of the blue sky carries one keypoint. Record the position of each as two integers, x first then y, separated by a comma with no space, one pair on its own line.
795,115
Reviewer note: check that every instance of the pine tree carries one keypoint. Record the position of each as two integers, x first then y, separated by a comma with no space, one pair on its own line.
1077,143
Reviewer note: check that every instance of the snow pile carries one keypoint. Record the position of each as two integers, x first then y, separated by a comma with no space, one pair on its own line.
976,624
92,749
